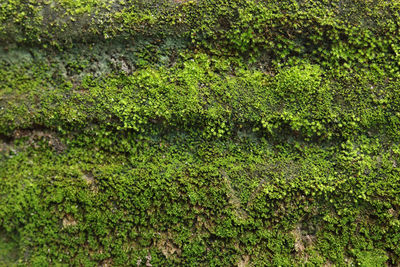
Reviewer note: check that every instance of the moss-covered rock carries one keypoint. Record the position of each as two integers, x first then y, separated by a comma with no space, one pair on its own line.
211,133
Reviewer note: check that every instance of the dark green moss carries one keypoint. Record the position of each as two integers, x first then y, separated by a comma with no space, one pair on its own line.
211,133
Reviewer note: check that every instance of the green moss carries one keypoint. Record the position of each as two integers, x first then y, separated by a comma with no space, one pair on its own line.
211,133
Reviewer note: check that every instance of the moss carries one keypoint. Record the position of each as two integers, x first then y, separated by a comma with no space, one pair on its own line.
199,133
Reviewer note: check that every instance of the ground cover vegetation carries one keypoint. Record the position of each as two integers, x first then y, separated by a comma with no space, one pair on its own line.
199,133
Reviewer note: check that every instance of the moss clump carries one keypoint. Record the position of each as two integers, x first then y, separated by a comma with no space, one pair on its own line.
209,132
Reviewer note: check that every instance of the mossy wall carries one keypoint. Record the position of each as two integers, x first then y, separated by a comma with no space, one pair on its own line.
199,133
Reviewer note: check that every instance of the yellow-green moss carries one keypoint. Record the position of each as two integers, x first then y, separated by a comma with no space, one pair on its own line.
211,133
